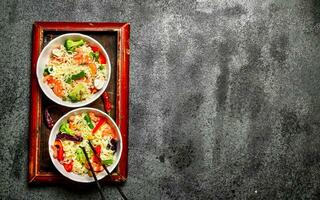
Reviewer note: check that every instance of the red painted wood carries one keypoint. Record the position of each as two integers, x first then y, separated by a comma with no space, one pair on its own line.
80,26
122,98
123,95
33,135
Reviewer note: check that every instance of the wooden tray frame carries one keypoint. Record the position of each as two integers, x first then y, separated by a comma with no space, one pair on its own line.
122,96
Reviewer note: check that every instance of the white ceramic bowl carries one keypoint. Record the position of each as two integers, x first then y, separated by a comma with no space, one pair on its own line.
73,176
44,58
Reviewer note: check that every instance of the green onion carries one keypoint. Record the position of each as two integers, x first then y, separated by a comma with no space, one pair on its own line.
78,76
47,71
88,120
80,156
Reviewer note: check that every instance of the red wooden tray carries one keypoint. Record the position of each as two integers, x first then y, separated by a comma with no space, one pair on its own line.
115,39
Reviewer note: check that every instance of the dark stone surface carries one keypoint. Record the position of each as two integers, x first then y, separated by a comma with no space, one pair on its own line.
224,97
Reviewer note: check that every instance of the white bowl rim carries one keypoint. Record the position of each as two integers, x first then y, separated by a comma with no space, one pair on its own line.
81,103
102,174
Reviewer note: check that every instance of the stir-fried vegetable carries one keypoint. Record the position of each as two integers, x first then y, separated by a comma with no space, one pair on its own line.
101,121
97,150
47,71
101,67
75,76
95,55
78,76
55,84
68,166
80,156
76,62
76,94
69,137
71,45
88,120
102,59
98,56
107,162
64,128
59,148
93,68
100,146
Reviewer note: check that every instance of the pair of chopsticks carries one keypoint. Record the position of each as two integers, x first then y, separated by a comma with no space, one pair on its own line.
94,175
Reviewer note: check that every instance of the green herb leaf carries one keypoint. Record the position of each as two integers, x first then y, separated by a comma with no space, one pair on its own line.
68,80
94,56
78,76
107,162
101,67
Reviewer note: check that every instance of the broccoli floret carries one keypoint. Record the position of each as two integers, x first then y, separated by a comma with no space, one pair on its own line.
64,128
71,45
80,156
76,93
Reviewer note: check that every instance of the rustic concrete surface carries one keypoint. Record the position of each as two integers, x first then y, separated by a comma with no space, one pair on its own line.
224,97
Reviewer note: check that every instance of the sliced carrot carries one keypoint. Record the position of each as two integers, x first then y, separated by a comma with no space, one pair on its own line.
93,68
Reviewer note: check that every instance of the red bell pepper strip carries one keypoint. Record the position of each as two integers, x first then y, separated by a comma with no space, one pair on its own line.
59,147
94,48
68,166
101,121
98,152
102,59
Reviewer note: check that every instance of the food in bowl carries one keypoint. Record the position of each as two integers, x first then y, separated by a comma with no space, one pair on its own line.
75,132
76,70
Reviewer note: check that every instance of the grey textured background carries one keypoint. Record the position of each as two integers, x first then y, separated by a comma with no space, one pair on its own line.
224,97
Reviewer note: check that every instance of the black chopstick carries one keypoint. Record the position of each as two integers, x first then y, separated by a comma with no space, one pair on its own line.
105,168
94,175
